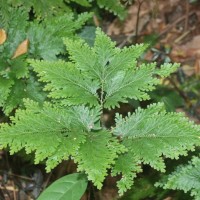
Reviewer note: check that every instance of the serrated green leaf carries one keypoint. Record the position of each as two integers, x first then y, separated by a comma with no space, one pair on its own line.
115,70
66,82
59,131
57,138
46,37
150,133
113,6
5,86
128,166
97,154
185,177
45,42
41,9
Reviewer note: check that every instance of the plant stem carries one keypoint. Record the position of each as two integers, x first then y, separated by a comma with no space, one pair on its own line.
137,22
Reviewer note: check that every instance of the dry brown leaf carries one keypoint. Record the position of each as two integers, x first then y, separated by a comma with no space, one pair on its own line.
188,70
189,50
21,49
3,36
194,43
166,6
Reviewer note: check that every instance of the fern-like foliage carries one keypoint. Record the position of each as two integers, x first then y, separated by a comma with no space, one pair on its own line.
41,9
48,8
54,134
51,128
70,126
151,133
62,82
185,177
97,155
127,165
45,42
100,77
113,6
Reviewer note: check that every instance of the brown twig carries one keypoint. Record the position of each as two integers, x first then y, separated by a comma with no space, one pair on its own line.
181,93
187,15
135,33
184,34
21,177
14,191
137,19
47,181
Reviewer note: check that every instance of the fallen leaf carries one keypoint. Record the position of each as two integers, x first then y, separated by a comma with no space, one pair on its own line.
3,36
188,70
189,50
21,49
194,43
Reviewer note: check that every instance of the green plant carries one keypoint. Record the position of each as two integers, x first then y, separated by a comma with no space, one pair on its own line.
185,177
17,79
71,125
47,8
70,187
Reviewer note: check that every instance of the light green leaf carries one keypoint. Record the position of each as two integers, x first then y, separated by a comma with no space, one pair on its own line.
115,70
70,187
47,131
65,82
134,83
150,133
128,166
97,154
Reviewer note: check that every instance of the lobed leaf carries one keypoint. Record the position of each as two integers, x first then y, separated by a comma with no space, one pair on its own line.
114,6
97,154
115,70
150,133
64,81
185,177
128,166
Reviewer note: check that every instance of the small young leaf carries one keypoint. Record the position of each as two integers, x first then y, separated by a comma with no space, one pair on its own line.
70,187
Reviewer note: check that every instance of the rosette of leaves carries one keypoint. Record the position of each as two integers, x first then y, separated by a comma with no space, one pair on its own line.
71,125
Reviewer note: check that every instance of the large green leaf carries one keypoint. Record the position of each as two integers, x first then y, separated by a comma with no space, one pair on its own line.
70,187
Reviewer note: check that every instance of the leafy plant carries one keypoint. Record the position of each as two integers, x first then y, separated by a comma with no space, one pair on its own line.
47,8
71,125
185,177
43,41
